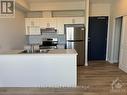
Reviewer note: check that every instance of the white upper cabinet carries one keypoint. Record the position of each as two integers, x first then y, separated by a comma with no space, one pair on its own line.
32,26
58,23
48,22
34,30
73,20
68,20
60,26
32,21
78,20
27,21
61,21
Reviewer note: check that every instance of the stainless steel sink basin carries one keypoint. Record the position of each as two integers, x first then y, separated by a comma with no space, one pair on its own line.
35,51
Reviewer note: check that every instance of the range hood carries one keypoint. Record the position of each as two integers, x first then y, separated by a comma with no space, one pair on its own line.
48,30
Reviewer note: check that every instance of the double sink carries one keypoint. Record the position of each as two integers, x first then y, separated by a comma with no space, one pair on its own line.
36,51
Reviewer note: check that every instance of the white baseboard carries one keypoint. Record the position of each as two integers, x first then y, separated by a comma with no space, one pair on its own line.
112,61
123,67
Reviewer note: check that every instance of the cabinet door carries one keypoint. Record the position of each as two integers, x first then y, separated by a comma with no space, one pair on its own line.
123,48
52,22
78,20
74,20
60,26
37,22
27,21
27,24
34,30
42,22
61,22
68,20
34,22
48,23
32,26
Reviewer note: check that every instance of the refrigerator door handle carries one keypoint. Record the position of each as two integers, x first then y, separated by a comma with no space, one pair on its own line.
75,40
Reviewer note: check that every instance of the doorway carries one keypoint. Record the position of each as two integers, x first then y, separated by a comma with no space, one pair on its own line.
97,38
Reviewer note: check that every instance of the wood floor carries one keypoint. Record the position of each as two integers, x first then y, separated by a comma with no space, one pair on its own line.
96,79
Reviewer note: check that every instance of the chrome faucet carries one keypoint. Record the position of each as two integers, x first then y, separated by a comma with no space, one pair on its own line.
32,48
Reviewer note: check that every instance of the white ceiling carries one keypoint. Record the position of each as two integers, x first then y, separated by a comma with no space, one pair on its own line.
91,1
52,0
102,1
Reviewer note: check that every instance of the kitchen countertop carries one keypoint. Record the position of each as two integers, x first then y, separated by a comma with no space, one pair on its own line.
51,52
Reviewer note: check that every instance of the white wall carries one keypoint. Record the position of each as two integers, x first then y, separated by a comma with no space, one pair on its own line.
118,8
99,9
12,31
22,3
57,6
123,48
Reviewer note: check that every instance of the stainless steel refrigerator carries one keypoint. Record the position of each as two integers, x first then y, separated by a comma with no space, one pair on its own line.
75,39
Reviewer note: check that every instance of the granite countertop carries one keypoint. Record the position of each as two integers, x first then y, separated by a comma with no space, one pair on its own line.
63,51
10,51
51,52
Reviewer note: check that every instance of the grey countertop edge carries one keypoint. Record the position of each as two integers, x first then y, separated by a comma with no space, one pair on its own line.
52,52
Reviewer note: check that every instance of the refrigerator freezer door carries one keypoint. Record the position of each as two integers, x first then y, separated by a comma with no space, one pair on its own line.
75,33
79,33
69,33
80,48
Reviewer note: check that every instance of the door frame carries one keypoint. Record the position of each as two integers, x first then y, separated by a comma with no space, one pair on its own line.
108,36
117,36
112,54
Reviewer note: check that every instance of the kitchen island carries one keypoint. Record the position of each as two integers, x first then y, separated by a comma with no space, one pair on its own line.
57,68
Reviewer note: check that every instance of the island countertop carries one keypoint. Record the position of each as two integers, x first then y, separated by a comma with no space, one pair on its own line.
50,52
